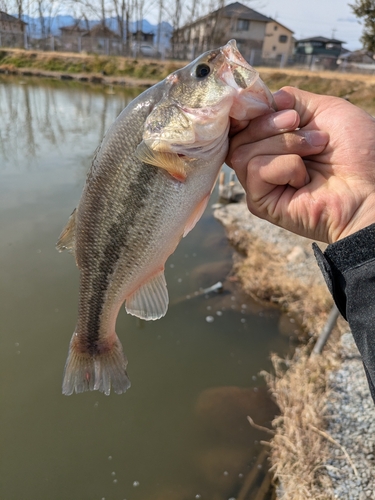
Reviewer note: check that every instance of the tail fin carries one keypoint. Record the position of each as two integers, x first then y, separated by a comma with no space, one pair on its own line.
84,372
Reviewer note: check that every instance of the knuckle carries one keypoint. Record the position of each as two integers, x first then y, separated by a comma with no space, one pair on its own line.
239,156
256,163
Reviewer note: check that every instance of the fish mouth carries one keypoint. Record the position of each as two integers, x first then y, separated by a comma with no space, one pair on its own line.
238,74
236,71
233,55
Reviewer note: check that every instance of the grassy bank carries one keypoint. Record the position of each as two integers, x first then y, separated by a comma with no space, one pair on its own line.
17,61
359,89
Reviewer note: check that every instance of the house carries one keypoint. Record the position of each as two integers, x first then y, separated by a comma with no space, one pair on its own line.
357,61
319,45
318,49
140,36
235,20
278,42
100,30
12,31
70,37
73,30
101,40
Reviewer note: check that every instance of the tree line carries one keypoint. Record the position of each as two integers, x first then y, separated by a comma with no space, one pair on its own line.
176,12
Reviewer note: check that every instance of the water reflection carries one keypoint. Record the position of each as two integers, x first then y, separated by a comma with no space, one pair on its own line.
40,120
182,426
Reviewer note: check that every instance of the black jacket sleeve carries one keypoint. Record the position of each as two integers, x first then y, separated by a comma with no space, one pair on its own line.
348,266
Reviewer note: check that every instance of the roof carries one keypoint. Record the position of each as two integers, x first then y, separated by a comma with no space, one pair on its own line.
361,56
320,39
101,31
73,28
6,17
282,25
237,9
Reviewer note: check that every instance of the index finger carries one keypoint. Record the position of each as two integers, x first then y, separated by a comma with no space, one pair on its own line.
263,127
304,103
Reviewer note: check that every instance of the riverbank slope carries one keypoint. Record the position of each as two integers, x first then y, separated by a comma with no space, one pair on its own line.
321,447
142,72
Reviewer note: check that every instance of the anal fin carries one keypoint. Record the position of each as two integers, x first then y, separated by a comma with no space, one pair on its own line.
150,301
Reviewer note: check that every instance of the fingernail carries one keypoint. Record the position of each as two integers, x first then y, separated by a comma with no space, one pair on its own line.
285,120
316,137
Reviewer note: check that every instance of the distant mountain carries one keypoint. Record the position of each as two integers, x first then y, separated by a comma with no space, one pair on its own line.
54,24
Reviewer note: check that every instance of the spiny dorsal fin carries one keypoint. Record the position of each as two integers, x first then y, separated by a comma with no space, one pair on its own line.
150,301
170,162
66,239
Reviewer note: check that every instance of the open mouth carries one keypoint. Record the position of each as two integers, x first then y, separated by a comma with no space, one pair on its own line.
236,72
234,56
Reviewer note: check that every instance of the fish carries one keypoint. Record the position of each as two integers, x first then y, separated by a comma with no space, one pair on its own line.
148,185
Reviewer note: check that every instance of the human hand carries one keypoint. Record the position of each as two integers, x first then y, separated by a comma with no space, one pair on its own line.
317,181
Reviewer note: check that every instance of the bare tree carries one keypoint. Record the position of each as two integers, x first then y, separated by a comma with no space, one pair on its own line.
20,8
4,6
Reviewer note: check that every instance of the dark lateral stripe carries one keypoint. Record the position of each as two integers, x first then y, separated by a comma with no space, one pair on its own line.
118,240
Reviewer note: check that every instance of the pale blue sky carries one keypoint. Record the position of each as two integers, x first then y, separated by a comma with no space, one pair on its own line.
315,17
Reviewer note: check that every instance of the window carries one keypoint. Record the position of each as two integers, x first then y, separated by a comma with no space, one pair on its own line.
275,28
283,38
243,24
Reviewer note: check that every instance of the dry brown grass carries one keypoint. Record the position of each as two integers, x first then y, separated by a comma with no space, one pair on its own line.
264,276
16,60
299,448
357,88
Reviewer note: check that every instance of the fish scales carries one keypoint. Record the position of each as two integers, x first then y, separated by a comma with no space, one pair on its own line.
148,185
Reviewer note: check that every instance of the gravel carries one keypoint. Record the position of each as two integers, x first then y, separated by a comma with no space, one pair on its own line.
352,424
297,250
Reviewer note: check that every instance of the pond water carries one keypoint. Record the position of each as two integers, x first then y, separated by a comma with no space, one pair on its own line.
180,432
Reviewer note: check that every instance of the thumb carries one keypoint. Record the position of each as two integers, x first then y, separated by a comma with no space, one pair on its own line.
305,103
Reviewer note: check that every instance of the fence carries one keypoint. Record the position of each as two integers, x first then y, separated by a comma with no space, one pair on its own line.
115,47
101,46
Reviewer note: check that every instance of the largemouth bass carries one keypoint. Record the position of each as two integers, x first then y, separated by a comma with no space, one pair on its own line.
148,185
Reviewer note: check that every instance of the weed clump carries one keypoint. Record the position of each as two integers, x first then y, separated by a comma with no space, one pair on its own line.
300,446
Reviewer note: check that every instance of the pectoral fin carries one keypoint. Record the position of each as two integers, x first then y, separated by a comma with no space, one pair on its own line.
66,239
150,301
170,162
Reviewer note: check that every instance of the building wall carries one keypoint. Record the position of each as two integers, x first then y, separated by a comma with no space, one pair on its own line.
12,26
256,32
273,47
248,37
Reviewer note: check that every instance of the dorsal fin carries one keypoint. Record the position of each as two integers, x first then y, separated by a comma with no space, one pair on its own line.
66,239
170,162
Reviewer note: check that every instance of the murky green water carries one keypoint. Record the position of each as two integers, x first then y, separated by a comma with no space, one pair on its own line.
180,432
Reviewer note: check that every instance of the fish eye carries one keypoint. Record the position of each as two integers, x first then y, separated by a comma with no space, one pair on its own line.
202,70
